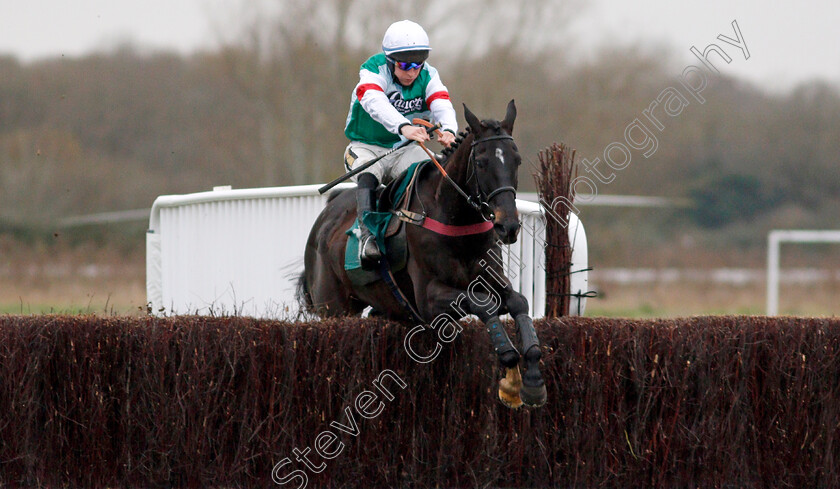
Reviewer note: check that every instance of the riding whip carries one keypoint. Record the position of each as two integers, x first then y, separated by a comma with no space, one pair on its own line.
368,164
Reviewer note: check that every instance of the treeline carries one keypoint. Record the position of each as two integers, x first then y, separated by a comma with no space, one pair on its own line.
113,131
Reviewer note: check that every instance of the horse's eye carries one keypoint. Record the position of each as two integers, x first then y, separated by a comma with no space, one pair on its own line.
481,161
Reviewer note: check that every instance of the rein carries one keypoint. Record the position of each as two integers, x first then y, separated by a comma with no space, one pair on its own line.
478,202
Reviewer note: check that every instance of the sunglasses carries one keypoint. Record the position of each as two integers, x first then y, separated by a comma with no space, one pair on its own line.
407,65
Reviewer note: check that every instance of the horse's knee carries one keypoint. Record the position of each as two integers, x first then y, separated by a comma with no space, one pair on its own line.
517,304
456,305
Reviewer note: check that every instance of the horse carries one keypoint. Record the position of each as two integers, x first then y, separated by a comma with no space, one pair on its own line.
447,274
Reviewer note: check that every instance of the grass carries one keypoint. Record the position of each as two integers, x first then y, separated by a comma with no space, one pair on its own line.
682,299
95,280
113,294
126,295
70,309
71,280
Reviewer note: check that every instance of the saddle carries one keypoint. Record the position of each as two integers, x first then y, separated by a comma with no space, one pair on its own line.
389,232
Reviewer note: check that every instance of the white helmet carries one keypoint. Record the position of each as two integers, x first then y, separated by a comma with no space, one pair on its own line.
405,35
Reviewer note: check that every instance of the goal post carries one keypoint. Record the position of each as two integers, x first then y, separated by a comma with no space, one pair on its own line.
774,241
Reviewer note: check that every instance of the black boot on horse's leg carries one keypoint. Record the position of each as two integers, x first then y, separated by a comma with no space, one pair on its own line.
369,253
509,358
533,387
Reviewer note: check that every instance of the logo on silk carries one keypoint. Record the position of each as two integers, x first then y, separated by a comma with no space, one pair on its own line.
405,106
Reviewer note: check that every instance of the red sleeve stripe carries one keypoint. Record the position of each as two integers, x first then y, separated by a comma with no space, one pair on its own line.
361,89
437,96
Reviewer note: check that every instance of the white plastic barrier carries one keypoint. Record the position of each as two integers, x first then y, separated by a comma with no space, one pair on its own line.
241,252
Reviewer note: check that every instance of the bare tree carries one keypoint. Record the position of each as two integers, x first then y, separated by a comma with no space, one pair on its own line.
298,60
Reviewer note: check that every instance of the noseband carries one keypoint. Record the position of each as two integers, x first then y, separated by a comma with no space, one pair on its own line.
479,201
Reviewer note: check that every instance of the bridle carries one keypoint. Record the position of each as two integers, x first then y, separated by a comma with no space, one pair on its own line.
480,201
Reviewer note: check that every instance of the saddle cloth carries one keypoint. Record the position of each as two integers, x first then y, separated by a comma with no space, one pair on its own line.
389,233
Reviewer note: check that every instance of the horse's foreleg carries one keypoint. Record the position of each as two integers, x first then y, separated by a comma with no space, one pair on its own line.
533,391
507,353
441,298
510,386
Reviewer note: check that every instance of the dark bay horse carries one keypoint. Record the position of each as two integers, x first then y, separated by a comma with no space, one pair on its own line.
446,274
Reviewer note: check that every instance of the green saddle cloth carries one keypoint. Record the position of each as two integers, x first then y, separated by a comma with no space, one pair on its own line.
377,222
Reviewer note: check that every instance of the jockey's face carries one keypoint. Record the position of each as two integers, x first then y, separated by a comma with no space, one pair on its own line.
406,77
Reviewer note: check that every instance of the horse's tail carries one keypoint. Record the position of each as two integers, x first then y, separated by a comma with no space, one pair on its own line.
303,296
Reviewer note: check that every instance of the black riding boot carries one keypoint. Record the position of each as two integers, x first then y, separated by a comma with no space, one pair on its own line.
369,253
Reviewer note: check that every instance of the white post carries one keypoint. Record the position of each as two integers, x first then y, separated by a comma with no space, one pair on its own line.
774,241
773,273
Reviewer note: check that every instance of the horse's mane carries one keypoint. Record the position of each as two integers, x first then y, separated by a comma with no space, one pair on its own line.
459,138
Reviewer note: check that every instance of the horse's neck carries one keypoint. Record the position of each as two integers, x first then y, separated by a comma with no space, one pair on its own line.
459,163
457,167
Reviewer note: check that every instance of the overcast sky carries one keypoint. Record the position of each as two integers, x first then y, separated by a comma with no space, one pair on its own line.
788,41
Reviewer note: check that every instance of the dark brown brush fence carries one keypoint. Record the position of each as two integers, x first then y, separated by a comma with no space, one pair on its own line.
219,402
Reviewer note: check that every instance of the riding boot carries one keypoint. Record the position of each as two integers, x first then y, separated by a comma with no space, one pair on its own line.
369,253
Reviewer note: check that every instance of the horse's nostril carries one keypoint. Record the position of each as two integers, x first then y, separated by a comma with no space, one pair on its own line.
507,232
510,227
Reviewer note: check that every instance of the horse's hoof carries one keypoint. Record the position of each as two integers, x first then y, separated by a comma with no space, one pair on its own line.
533,396
514,402
509,393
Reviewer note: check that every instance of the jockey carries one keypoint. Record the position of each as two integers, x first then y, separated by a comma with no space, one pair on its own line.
394,87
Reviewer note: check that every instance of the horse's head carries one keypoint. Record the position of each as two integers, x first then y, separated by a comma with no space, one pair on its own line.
495,162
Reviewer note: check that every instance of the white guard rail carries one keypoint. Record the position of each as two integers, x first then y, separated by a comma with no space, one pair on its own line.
227,252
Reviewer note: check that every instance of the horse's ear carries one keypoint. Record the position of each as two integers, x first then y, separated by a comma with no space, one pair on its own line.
472,120
507,124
